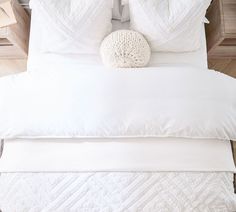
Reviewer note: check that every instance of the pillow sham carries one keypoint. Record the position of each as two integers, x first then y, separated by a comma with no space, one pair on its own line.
73,26
169,25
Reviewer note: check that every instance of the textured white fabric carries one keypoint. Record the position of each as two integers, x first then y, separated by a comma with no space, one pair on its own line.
169,25
125,49
117,192
98,102
73,26
139,154
37,60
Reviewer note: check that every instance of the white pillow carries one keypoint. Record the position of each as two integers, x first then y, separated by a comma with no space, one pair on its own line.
73,26
169,25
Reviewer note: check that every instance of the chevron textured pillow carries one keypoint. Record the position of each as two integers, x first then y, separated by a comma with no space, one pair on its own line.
169,25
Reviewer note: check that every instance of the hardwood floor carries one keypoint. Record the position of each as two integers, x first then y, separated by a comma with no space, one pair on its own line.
12,66
227,66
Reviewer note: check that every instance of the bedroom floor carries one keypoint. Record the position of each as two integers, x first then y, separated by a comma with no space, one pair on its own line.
12,66
227,66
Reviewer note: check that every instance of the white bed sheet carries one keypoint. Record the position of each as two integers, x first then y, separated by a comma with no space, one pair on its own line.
143,154
35,60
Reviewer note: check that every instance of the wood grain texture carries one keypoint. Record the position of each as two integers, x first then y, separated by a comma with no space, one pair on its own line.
16,34
12,66
229,15
221,32
25,5
227,66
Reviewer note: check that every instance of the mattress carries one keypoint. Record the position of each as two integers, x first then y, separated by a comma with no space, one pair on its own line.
117,192
36,58
107,154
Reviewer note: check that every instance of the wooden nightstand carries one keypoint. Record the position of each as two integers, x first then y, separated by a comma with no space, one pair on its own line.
221,36
221,32
14,39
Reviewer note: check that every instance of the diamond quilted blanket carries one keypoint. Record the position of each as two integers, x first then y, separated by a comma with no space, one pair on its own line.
117,192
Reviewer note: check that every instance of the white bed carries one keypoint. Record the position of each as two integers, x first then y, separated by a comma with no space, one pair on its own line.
108,174
122,155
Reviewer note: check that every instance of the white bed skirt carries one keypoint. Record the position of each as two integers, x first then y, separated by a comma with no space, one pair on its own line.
143,154
117,192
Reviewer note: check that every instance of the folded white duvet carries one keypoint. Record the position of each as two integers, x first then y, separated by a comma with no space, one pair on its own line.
114,154
98,102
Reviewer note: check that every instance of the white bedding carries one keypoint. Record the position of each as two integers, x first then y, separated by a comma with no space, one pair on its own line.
76,27
37,61
117,192
47,105
87,155
80,102
169,25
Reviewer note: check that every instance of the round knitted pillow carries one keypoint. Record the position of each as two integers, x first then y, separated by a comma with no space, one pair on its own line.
125,49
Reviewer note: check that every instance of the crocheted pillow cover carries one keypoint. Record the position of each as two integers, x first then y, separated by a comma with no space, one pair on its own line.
125,49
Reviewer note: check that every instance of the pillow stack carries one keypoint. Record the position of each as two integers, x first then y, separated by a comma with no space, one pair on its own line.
78,27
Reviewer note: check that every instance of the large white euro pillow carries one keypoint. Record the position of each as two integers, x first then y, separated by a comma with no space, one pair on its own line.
125,49
73,26
169,25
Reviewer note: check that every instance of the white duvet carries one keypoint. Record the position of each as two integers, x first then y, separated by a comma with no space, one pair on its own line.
97,102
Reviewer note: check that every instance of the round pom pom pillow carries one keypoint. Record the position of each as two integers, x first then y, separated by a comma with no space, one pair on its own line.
125,49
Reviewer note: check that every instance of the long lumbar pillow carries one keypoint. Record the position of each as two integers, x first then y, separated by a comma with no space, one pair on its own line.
169,25
73,26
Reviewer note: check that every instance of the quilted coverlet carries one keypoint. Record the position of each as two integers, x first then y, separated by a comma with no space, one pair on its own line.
116,192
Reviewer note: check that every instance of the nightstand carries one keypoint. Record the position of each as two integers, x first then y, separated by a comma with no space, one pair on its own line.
221,36
221,32
14,39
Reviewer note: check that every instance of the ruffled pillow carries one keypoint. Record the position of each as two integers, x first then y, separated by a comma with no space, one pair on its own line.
73,26
169,25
